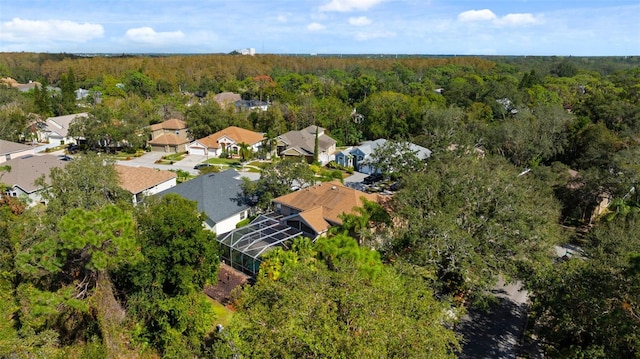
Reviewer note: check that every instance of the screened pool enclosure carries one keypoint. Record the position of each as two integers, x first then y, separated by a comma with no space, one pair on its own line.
242,247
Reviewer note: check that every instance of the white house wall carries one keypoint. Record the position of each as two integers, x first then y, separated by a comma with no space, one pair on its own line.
9,156
228,224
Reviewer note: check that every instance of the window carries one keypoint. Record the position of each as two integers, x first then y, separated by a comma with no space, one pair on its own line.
243,214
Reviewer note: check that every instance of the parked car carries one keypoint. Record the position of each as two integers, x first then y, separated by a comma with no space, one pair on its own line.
372,178
72,148
202,165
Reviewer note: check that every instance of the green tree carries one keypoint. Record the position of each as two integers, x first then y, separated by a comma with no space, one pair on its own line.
329,305
68,88
276,179
396,158
589,305
163,291
468,220
66,277
88,182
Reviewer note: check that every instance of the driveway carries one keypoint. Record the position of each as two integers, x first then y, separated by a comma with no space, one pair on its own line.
355,177
149,159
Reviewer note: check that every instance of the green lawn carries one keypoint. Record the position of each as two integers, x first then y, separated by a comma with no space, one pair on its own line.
223,314
224,161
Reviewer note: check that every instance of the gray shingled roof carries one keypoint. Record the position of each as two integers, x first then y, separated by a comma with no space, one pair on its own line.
218,195
7,147
25,170
60,124
305,139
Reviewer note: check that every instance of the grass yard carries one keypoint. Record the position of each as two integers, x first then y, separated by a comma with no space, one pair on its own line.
224,161
223,314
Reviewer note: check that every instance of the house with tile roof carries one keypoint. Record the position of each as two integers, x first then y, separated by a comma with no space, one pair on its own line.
219,196
56,129
226,141
169,136
20,180
302,144
10,150
143,181
315,209
169,143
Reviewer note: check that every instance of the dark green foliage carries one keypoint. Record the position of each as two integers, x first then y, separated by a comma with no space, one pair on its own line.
163,291
340,301
276,179
468,220
592,305
180,255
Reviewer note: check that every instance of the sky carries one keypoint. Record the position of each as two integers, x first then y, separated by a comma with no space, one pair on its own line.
422,27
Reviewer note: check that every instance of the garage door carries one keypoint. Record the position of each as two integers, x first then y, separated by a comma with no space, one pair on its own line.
196,150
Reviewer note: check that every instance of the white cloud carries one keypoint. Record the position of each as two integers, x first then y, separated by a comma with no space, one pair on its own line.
477,15
314,26
349,5
507,20
519,20
363,36
18,30
359,21
149,36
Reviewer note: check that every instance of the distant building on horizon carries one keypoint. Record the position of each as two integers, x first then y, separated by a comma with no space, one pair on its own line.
248,51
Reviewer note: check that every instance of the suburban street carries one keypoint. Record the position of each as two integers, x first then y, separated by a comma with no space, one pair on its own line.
497,333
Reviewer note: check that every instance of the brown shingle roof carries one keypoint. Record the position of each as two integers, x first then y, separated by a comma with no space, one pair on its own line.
333,197
237,134
171,124
315,219
168,139
138,179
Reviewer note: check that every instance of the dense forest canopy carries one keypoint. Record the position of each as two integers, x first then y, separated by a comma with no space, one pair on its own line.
524,150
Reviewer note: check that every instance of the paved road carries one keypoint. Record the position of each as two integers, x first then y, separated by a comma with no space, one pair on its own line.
186,164
149,159
497,333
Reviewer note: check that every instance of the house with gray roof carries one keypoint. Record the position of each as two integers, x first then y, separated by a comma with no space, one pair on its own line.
10,150
23,173
302,144
56,130
219,196
360,157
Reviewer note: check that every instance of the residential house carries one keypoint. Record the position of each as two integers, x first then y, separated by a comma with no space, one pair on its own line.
169,143
359,157
252,105
20,180
225,98
226,141
21,87
144,181
169,136
302,144
315,209
219,196
344,157
56,129
10,150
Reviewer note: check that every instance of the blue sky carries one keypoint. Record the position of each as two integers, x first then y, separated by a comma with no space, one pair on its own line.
465,27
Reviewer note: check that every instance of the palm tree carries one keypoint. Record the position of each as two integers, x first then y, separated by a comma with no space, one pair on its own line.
244,151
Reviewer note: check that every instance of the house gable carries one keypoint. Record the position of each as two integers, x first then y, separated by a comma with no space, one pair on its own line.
218,195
